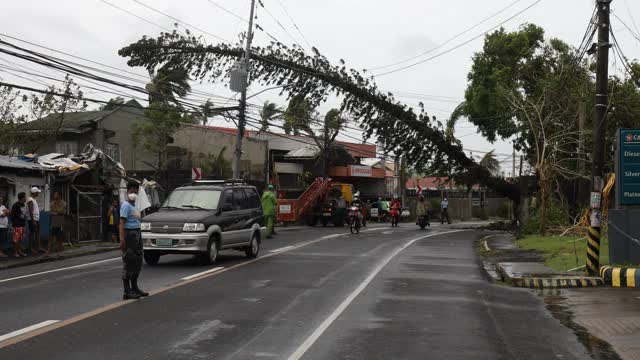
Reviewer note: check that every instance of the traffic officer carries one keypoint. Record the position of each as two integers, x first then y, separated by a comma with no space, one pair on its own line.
131,243
269,204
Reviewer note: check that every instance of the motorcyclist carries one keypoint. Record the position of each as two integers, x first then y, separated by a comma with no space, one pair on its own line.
361,208
422,209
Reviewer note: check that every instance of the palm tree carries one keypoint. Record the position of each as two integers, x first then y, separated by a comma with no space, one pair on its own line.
490,163
168,83
270,112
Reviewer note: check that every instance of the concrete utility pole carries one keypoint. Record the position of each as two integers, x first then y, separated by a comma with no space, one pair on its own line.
243,98
599,131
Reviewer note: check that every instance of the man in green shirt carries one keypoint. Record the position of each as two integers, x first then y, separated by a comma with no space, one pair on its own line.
269,203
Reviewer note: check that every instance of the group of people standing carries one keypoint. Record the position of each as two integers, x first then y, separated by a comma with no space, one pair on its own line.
25,222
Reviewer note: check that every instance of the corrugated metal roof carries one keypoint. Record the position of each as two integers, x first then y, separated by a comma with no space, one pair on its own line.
13,163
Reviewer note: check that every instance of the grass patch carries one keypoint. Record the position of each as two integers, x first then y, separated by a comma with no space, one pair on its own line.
559,252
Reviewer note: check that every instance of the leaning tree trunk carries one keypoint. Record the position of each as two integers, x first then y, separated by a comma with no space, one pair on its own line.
544,184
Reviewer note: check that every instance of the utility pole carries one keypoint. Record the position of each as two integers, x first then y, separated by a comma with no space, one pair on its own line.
513,178
243,97
599,131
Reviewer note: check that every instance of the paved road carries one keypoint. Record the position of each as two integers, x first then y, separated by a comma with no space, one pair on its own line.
383,294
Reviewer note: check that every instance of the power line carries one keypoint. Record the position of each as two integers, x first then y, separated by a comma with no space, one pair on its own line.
460,45
636,36
228,11
294,24
449,40
279,23
182,22
136,16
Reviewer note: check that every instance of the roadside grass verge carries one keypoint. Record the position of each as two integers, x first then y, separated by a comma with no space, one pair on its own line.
560,252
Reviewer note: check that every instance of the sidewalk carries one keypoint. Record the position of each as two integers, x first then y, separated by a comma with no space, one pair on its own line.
68,253
605,319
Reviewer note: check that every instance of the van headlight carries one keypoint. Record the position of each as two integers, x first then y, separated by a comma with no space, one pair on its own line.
145,226
193,227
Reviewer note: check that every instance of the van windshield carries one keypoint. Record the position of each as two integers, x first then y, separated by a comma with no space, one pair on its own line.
193,199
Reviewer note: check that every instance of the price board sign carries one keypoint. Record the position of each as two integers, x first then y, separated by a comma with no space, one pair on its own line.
629,166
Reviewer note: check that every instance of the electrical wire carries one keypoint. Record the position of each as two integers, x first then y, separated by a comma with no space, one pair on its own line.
136,16
459,45
284,8
279,23
184,23
449,40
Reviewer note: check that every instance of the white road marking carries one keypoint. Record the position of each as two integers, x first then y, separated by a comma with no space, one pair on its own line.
202,273
302,349
331,236
61,269
27,329
281,249
486,246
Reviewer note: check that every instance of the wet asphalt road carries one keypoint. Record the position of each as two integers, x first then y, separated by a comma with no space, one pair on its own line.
384,294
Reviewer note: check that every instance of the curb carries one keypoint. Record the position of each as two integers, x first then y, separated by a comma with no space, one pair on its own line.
41,260
550,282
620,277
556,283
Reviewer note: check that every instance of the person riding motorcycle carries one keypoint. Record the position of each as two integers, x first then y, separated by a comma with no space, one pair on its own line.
357,203
422,209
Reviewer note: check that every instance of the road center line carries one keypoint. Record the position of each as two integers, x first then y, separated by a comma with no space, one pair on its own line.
302,349
202,273
281,249
61,269
27,329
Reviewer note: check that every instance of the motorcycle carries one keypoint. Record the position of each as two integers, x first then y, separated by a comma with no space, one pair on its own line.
354,219
423,221
395,216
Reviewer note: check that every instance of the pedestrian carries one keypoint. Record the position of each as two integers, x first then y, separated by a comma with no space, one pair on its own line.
58,212
4,225
33,218
131,243
18,221
269,203
444,211
114,216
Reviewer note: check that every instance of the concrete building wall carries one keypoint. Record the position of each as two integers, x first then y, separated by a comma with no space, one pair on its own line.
199,142
120,122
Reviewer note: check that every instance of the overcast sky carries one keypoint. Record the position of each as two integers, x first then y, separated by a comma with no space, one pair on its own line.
365,33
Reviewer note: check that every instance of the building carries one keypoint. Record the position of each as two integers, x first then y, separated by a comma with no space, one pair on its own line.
293,160
110,131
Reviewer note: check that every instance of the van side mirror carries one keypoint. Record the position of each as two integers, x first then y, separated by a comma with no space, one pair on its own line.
226,207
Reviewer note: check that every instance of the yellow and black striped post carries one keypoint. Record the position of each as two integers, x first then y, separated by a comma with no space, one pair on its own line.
593,250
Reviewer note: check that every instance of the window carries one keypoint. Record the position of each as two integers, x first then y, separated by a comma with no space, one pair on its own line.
113,151
228,199
239,202
193,199
253,201
67,147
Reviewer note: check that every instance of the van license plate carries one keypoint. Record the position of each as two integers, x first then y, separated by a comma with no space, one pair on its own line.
164,242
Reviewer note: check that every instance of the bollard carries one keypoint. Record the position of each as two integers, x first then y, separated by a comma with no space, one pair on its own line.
593,250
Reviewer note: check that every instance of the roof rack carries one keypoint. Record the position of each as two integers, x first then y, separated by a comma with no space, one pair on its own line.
228,182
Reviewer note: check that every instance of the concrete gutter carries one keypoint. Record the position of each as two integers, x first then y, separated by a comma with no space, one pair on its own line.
539,276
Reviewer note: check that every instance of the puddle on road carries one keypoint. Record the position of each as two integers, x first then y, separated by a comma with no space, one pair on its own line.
597,348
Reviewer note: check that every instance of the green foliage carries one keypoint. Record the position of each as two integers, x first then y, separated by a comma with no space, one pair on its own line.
556,215
270,112
560,252
155,130
17,112
298,116
168,83
218,166
491,163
